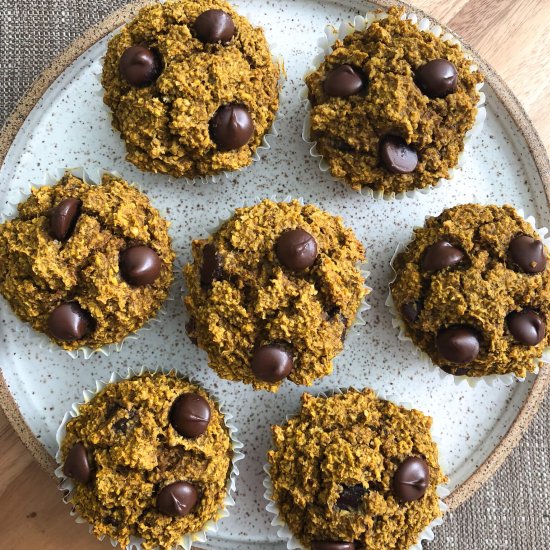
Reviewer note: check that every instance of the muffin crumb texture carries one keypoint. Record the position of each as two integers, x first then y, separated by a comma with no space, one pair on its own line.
136,457
371,117
336,465
273,292
166,76
473,290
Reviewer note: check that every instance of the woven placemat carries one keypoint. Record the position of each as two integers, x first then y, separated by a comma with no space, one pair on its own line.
512,511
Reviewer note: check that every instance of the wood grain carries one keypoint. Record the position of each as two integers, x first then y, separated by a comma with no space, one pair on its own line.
512,35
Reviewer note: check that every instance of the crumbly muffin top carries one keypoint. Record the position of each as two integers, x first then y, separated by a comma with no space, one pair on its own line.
133,453
68,261
355,469
473,290
372,122
182,80
273,292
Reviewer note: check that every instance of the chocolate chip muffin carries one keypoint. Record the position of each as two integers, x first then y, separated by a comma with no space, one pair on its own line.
352,472
192,88
273,292
390,106
149,457
86,264
473,291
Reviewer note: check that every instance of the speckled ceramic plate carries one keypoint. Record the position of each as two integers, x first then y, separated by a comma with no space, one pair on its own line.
63,123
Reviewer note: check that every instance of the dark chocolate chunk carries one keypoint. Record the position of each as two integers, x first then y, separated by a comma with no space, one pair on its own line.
272,363
410,311
437,78
458,344
69,322
528,254
190,415
214,26
318,545
411,479
139,66
440,255
526,326
231,127
63,218
344,81
396,155
351,497
139,265
296,249
77,465
177,499
211,268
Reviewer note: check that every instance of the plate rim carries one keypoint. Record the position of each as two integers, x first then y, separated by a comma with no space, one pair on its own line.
522,121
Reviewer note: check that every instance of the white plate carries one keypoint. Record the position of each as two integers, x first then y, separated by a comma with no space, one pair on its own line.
70,127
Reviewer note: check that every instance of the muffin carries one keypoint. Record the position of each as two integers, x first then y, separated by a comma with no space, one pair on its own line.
390,106
85,264
192,88
352,472
273,292
149,459
473,291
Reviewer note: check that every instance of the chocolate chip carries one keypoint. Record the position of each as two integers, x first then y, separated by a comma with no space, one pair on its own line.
410,311
271,363
461,371
411,479
351,497
437,78
231,127
528,254
317,545
139,265
526,326
211,268
63,218
458,344
110,520
69,322
396,155
190,415
139,66
213,26
177,499
77,465
440,255
296,249
344,81
190,330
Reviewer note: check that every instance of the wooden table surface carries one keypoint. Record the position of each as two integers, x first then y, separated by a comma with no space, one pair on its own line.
512,35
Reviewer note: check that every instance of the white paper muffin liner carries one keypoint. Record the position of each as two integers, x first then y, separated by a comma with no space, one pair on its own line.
494,380
284,532
66,484
92,178
339,32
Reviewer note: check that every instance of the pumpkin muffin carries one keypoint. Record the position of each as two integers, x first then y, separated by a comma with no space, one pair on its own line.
352,472
473,291
150,457
86,264
273,292
192,88
390,106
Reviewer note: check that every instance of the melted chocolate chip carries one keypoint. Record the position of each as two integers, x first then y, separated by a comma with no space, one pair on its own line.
351,497
63,218
437,78
318,545
77,465
396,155
190,415
231,127
140,265
526,326
69,322
177,499
271,363
440,255
214,26
458,344
296,249
139,66
344,81
460,371
410,311
411,479
211,268
528,254
190,327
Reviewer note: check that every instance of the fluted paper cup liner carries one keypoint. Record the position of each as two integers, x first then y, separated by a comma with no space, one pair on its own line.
92,177
494,380
360,23
66,485
284,532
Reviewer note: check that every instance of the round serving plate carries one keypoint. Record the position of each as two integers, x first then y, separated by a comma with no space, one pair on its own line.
62,123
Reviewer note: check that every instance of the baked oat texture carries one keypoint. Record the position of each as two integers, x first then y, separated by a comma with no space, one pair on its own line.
258,301
166,124
38,272
135,452
346,440
480,291
348,130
